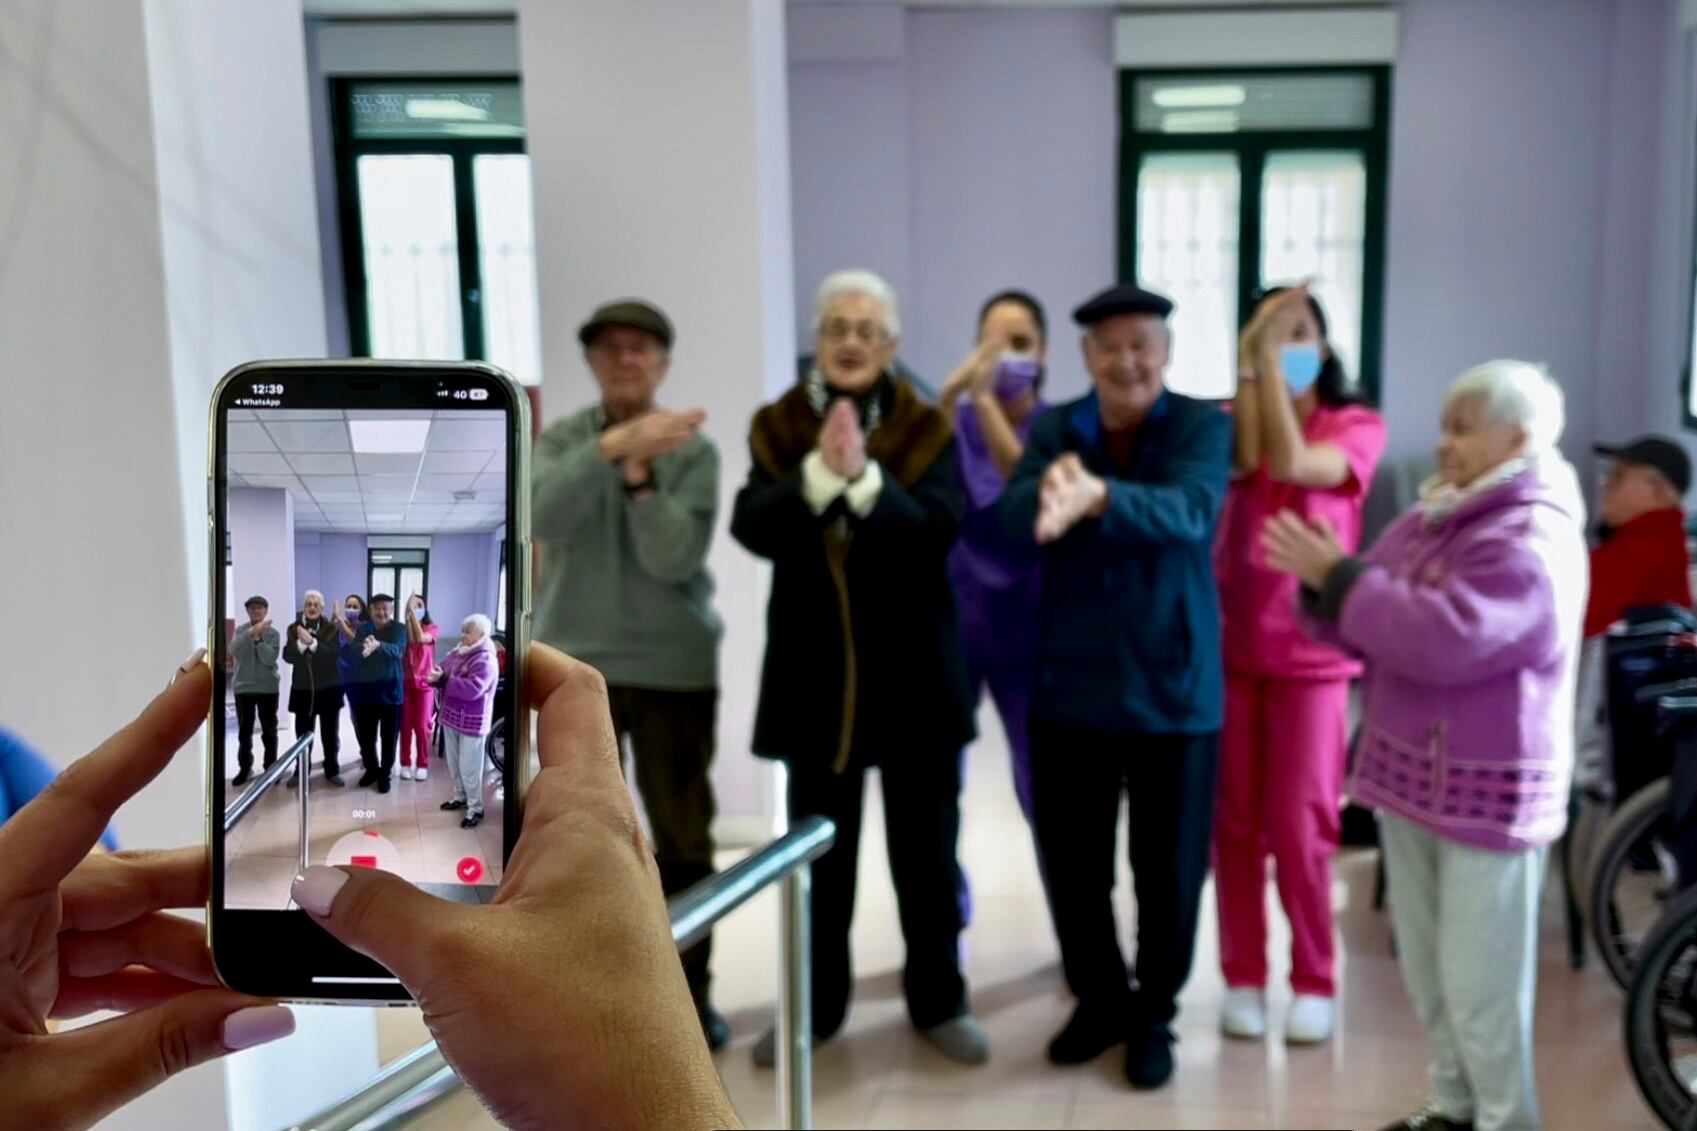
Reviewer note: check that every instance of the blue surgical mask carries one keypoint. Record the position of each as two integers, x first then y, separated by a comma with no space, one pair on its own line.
422,613
352,612
1301,364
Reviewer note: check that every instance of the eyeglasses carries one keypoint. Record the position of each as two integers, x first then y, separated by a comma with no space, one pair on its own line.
839,329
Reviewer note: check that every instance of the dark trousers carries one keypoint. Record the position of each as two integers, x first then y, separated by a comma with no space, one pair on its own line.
1078,780
329,743
248,704
671,736
369,720
921,824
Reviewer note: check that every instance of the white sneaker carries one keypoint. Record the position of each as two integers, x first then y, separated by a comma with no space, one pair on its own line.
1310,1020
421,774
406,773
1244,1014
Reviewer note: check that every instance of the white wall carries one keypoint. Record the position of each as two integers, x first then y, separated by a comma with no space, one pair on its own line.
680,196
157,193
262,564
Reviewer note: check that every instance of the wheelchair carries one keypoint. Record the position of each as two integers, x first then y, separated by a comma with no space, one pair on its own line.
1624,833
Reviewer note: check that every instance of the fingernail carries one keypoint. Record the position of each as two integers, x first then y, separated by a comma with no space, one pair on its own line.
315,889
257,1025
194,661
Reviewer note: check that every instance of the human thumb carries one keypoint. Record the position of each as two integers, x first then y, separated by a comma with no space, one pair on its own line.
378,914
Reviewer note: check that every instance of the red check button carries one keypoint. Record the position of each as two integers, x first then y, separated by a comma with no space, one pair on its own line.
469,869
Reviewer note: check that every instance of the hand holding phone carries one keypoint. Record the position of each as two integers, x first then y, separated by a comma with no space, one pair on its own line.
583,885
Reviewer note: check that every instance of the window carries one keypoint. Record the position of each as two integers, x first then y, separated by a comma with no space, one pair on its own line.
438,246
399,573
1232,181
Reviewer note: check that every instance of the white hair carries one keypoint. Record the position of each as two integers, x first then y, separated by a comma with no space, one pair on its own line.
1516,393
310,594
857,282
479,622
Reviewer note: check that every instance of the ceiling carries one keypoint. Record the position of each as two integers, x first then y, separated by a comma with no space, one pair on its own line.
427,9
311,454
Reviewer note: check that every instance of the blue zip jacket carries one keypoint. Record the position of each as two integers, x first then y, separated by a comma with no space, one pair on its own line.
379,679
23,775
1130,635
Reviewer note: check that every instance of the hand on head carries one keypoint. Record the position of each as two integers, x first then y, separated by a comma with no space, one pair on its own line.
82,933
562,1003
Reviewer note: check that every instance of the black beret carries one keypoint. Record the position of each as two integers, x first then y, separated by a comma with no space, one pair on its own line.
632,312
252,601
1127,298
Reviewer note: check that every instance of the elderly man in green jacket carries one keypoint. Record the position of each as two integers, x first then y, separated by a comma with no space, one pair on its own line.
625,498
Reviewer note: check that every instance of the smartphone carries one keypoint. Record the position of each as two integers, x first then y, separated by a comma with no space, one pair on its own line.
370,552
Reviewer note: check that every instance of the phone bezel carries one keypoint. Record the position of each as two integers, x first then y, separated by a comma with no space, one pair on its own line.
279,954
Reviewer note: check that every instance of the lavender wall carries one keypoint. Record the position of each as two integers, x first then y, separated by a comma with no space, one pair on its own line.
1499,162
1529,191
460,582
955,153
334,564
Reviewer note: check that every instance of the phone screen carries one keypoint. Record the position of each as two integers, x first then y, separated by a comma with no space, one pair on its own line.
369,557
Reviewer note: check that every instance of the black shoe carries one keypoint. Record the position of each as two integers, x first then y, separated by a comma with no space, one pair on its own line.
1149,1058
383,784
714,1027
370,777
451,806
1429,1121
472,821
336,780
1091,1032
242,776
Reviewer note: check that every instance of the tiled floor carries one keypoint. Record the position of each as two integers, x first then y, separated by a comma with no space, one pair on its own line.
878,1074
428,845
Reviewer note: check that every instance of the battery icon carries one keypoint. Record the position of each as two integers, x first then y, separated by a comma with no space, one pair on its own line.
480,394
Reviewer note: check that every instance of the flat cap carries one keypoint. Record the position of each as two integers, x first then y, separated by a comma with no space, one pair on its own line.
1127,298
632,312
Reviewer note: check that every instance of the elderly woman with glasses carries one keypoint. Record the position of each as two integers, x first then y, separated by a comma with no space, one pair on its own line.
1467,616
855,498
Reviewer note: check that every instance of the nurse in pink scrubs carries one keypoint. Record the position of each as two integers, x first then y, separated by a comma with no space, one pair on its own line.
1303,443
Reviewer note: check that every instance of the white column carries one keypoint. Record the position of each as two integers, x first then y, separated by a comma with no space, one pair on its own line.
262,564
659,152
156,227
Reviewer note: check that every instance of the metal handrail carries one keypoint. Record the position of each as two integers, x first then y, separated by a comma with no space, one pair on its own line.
300,751
423,1077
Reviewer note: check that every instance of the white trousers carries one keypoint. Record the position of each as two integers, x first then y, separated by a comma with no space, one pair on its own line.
1466,924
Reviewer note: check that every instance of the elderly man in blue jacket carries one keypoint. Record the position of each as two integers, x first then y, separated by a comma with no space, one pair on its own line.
1122,489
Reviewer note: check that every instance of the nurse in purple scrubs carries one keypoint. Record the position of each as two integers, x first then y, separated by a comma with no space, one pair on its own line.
993,396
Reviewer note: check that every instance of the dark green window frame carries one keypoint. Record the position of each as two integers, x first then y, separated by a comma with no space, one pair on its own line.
1252,147
349,149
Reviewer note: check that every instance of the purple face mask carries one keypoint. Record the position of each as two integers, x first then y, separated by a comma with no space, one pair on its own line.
1016,375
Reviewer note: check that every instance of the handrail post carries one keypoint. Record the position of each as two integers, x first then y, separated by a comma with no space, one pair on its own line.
795,1001
303,772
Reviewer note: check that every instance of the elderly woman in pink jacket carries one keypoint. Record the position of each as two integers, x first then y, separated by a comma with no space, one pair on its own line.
1467,614
467,677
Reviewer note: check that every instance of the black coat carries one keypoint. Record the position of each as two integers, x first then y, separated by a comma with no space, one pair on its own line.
893,685
316,683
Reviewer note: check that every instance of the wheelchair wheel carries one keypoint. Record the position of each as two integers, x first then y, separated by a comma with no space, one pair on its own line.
1631,878
496,747
1661,1016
